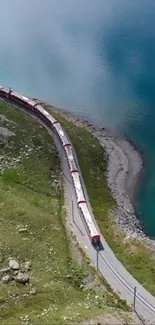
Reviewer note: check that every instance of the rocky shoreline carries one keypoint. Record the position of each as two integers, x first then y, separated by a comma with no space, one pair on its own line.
124,167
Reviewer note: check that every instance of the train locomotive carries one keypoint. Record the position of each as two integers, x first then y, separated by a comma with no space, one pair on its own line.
49,120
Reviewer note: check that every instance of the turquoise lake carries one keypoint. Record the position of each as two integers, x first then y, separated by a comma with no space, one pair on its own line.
93,57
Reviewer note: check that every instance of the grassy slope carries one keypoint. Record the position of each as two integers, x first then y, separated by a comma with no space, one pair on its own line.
27,197
134,255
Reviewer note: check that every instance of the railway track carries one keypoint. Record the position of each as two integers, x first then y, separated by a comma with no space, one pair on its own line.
102,258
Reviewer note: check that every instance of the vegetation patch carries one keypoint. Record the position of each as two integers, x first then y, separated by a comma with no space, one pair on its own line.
33,239
136,257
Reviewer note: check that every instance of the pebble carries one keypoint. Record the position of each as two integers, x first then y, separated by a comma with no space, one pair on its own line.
27,265
33,292
22,230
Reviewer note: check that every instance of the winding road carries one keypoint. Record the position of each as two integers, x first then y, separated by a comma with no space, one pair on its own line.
121,281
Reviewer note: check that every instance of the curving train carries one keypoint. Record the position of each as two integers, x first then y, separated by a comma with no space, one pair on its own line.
38,110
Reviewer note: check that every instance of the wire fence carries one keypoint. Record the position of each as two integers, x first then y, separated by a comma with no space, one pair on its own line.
127,285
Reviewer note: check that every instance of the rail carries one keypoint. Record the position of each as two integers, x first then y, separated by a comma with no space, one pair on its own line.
115,272
128,286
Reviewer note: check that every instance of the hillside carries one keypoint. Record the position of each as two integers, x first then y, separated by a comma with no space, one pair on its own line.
44,278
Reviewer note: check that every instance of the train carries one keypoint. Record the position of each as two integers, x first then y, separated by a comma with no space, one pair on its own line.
35,108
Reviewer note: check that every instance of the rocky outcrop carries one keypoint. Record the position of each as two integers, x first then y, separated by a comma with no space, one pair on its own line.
16,272
5,133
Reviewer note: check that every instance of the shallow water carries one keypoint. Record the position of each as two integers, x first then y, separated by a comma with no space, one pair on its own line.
96,58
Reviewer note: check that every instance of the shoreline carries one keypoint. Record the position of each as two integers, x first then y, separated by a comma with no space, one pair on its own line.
125,166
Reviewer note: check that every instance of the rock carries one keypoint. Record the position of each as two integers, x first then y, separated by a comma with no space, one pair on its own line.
5,279
69,276
18,160
33,292
81,286
28,265
5,270
14,265
22,278
22,230
4,133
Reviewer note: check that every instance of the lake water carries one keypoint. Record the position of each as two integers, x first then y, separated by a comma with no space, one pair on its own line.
94,57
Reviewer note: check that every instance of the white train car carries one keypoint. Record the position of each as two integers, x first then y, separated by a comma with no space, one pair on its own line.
78,187
44,115
4,92
52,122
62,135
22,100
89,224
27,100
71,159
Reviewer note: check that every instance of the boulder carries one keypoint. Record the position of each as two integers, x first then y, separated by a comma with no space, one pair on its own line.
22,278
14,265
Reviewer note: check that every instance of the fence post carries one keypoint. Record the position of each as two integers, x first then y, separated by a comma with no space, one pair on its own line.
62,162
134,299
97,259
73,210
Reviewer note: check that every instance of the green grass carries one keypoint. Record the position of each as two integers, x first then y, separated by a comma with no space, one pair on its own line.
28,196
135,256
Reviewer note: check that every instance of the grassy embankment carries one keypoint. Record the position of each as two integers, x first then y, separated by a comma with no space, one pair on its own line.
32,198
135,256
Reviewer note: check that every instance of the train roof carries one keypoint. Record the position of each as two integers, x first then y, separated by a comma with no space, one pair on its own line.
88,218
69,152
78,187
71,159
45,113
62,134
76,179
30,101
80,195
6,90
18,95
73,166
42,110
